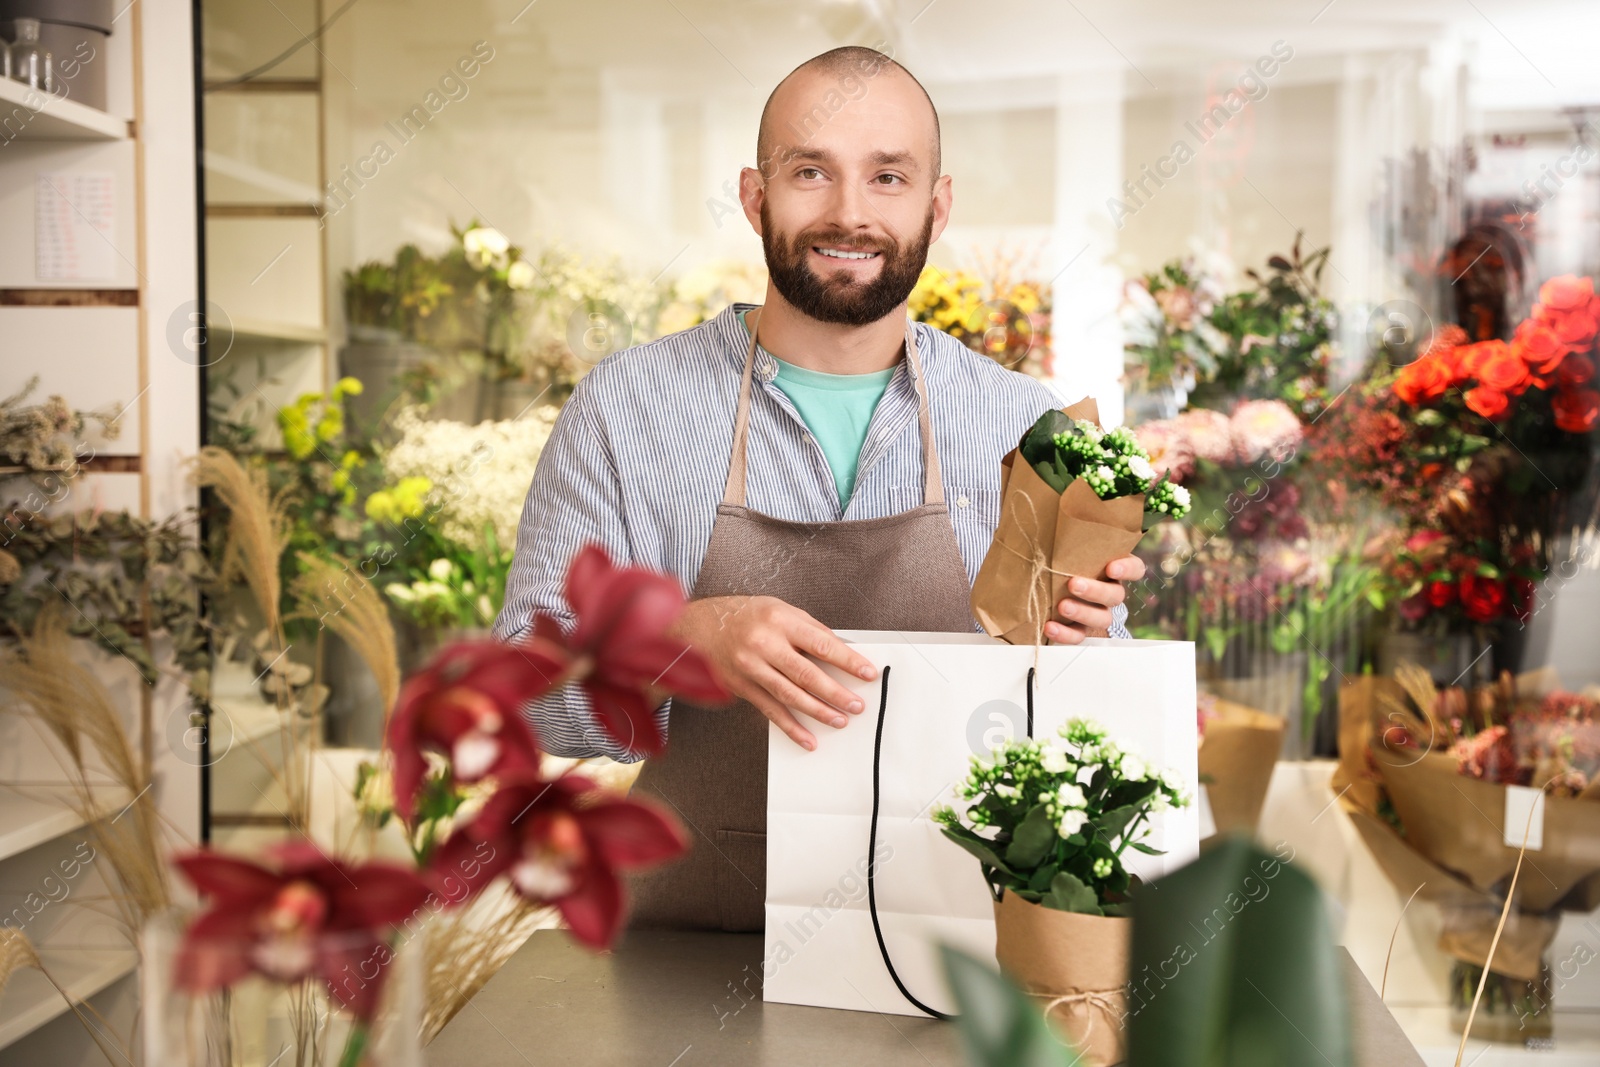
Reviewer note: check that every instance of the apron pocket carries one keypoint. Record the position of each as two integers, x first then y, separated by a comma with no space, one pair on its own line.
741,880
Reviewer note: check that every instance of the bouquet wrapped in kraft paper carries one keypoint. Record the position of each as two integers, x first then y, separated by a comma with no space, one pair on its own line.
1238,749
1440,764
1073,498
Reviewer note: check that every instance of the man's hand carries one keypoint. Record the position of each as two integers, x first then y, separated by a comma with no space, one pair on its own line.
758,646
1088,609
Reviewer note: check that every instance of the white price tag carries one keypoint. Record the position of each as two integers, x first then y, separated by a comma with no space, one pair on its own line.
1520,801
1208,824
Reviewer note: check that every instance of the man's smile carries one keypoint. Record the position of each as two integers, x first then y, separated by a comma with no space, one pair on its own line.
845,253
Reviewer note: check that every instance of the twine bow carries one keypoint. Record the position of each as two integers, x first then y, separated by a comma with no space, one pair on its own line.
1107,1001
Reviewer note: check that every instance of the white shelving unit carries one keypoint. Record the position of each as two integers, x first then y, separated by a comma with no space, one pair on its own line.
40,815
91,338
34,117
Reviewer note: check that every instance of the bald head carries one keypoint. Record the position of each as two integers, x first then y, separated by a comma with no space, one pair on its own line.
819,88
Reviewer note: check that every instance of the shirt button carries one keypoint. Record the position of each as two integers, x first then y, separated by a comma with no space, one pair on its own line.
962,501
768,372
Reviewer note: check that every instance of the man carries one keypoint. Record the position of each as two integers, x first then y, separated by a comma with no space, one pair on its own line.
856,458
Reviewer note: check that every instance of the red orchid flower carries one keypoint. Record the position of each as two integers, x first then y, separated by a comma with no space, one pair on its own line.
623,656
312,915
562,841
464,704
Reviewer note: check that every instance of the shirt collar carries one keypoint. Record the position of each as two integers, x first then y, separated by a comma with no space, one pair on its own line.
737,342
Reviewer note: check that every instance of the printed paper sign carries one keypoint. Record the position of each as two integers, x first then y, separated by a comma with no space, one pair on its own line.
1520,800
75,226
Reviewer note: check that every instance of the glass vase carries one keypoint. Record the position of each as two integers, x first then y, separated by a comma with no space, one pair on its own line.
259,1022
1512,1011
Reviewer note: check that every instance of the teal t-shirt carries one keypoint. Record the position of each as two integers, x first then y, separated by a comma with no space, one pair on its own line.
836,409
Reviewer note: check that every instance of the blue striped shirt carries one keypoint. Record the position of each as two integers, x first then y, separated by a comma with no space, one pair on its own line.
639,456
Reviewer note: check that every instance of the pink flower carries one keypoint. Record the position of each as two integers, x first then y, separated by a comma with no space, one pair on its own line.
1264,428
1208,432
563,842
464,704
622,653
311,915
1170,451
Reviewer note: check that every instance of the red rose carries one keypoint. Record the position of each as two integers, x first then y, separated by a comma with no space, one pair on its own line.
1483,599
1576,371
1576,410
1522,598
1574,323
1414,608
1422,380
1566,291
1502,369
1491,403
1441,594
1472,357
1539,347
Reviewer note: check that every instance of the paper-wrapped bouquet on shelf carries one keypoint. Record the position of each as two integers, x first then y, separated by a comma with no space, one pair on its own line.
1446,786
1073,498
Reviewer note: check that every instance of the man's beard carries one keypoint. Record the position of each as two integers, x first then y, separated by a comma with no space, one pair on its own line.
843,301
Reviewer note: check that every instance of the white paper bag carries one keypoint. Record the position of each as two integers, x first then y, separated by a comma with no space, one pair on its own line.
949,697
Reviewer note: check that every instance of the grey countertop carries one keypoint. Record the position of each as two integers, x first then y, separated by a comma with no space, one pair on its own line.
684,999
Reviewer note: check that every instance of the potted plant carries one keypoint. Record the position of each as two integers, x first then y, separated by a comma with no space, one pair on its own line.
1063,812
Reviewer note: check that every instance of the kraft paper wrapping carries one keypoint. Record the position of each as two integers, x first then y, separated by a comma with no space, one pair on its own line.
1237,753
1454,844
1075,966
1042,539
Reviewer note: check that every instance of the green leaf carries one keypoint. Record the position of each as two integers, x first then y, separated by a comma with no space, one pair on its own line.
1256,974
1000,1026
1034,838
1038,444
978,846
1068,893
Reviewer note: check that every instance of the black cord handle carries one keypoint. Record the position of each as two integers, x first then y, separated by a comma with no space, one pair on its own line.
872,859
1030,702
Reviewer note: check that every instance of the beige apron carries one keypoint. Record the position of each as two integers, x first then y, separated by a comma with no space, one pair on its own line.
900,572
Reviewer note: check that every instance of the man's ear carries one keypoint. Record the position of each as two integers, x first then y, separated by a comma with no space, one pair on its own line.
943,198
752,192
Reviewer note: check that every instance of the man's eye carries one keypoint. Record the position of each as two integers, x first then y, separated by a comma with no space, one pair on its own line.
888,179
807,171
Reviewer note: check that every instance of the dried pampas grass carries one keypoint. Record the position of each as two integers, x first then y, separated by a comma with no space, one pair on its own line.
257,527
72,704
340,598
466,946
16,954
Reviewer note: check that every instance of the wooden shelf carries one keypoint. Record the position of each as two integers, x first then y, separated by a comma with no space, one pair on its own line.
29,1000
285,332
43,813
60,119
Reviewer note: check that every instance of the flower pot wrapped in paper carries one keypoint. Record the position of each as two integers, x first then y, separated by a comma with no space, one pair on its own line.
1438,764
1063,812
1073,498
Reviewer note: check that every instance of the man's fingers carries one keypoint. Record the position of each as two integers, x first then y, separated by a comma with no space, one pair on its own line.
1089,616
781,717
1126,569
814,680
1108,594
815,639
1063,635
791,696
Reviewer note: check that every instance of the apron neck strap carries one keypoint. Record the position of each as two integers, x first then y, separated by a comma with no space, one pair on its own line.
733,492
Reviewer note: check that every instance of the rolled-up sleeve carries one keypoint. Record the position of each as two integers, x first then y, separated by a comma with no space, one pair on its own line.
575,499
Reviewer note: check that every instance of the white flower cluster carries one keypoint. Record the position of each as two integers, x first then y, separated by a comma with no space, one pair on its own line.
480,474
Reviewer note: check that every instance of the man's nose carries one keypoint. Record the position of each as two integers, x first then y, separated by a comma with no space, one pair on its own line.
850,209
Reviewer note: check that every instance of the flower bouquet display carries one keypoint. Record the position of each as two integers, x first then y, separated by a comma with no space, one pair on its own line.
1439,783
1062,813
329,931
1077,500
